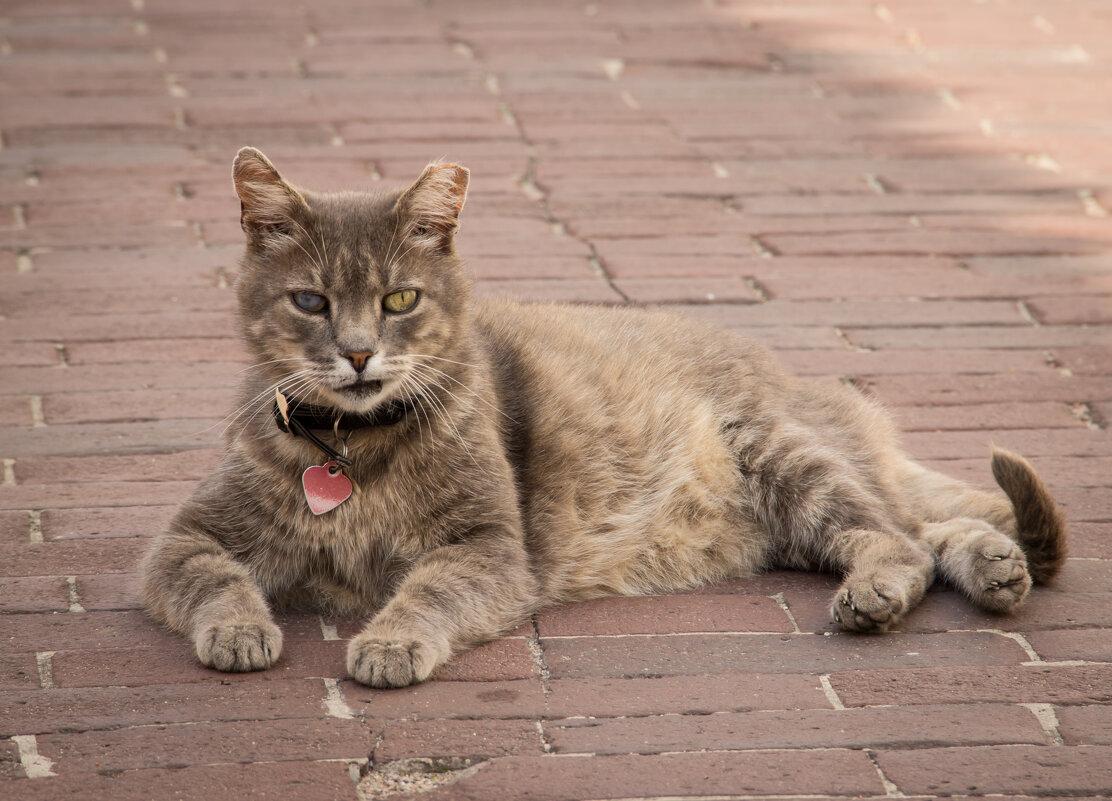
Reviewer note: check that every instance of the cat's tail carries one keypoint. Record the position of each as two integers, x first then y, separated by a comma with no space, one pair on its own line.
1040,527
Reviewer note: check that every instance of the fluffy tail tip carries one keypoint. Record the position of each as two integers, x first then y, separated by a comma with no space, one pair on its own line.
1040,527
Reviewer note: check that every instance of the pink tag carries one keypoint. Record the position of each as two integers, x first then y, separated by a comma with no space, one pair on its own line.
326,487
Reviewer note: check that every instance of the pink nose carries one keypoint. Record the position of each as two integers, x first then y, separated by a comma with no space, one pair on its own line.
359,359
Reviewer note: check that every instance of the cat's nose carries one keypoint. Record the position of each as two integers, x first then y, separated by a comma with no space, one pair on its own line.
359,359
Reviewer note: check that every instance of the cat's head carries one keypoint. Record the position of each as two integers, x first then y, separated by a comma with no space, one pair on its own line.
351,299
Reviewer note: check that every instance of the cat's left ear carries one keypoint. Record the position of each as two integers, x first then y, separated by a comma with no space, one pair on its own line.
434,202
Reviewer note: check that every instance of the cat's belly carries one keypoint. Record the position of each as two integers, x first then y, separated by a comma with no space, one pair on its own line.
665,517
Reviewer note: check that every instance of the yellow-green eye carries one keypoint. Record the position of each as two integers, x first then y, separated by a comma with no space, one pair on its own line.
401,301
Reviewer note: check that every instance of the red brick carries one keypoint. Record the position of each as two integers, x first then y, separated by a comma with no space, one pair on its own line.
70,557
114,407
115,591
664,614
177,466
93,493
1063,644
499,660
96,439
92,708
1085,361
921,241
33,594
729,691
1089,540
520,698
178,745
98,378
922,278
509,268
577,291
116,521
881,313
631,656
172,661
1032,443
917,361
956,334
978,416
1085,725
15,410
555,778
686,290
291,781
172,324
1028,266
467,739
10,767
1086,684
1027,770
119,300
959,389
89,236
53,632
30,354
891,727
18,672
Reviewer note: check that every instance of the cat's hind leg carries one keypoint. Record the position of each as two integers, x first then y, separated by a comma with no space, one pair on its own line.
887,575
980,561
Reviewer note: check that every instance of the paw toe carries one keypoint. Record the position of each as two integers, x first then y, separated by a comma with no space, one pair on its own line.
1001,576
386,663
866,607
241,647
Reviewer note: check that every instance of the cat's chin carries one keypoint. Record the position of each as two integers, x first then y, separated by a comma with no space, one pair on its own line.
360,397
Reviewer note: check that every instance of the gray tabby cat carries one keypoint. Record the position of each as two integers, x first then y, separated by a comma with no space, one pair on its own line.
502,457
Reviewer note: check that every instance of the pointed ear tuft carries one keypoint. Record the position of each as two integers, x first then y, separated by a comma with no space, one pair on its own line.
434,202
267,202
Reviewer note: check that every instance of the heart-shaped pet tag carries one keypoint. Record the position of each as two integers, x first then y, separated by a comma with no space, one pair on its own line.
326,487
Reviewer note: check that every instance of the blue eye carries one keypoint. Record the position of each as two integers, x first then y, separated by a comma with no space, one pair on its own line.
310,301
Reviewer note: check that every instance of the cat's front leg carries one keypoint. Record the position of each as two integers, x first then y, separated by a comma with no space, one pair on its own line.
454,597
195,587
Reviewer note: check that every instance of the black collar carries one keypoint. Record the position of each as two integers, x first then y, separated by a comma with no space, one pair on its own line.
304,419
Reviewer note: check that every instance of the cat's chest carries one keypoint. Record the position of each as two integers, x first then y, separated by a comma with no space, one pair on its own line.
355,547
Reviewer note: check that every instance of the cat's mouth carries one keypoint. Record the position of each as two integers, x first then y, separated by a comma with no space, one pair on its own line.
361,388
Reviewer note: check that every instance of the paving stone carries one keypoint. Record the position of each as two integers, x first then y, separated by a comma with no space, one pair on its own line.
1035,683
92,708
663,614
890,727
1001,769
1085,725
672,655
296,780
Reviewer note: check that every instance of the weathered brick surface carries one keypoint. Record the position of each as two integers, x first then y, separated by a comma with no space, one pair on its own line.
1033,683
998,769
893,727
297,780
672,655
665,615
884,194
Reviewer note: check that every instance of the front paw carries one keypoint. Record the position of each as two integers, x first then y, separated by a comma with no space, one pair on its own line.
378,660
239,647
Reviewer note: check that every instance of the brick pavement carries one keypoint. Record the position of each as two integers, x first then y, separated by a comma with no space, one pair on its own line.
912,195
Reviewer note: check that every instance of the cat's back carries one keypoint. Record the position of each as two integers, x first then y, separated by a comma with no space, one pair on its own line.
616,347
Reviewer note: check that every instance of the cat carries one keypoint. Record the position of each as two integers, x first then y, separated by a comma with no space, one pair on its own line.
503,456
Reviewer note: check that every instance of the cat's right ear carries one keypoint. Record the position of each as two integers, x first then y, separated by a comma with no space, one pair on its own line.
267,203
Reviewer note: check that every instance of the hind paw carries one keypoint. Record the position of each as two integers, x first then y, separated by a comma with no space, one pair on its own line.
867,606
997,577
